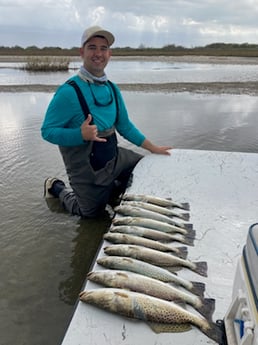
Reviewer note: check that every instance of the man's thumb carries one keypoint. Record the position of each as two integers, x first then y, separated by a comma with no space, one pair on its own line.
88,120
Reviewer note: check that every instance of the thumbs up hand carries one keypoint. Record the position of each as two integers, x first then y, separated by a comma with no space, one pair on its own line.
90,132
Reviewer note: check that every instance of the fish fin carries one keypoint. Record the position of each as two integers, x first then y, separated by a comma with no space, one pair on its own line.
174,273
214,332
169,327
201,268
122,293
207,308
122,274
181,252
179,302
198,288
173,269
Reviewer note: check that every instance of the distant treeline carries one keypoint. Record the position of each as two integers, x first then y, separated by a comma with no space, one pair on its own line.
214,49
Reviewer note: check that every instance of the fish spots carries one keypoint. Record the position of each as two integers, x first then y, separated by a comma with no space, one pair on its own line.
141,258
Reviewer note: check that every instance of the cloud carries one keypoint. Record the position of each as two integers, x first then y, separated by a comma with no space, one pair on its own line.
147,22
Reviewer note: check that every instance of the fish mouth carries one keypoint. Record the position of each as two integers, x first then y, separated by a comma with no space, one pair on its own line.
83,294
89,275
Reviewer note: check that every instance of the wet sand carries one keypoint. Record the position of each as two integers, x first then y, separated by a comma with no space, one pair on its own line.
245,88
238,88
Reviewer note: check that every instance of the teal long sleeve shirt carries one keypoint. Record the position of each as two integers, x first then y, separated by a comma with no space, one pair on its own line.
64,115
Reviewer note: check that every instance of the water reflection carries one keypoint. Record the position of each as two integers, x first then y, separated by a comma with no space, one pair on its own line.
214,122
45,255
88,237
139,72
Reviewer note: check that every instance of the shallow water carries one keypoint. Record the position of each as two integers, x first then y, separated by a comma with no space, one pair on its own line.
138,72
45,253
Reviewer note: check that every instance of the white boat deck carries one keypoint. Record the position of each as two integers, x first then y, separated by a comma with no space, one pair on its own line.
221,188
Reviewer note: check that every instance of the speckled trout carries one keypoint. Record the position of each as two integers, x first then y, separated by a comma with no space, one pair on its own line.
152,271
152,287
159,209
152,224
153,234
155,200
155,257
119,238
134,211
148,309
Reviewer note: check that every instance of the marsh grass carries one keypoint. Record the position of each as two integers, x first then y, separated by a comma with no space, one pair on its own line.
47,63
213,49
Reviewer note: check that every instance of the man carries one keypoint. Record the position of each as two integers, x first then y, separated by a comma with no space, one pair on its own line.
86,133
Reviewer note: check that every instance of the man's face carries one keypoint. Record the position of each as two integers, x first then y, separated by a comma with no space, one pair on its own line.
95,54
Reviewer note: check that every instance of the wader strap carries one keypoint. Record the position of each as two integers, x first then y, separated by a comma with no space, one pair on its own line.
82,99
114,90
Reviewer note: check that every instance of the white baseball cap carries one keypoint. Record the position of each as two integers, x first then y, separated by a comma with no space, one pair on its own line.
97,31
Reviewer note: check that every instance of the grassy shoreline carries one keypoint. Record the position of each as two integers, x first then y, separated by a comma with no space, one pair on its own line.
182,58
213,49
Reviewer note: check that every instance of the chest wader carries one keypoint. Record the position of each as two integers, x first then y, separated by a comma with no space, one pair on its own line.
101,152
93,167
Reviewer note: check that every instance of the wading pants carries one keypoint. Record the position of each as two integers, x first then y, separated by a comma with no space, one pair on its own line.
92,189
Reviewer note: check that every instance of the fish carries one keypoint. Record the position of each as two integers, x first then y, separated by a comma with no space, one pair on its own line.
152,310
159,209
155,257
153,234
134,211
131,239
155,200
152,224
152,287
152,271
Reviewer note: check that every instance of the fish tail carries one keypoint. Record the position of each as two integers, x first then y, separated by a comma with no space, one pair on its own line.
187,226
191,233
207,308
182,252
201,268
198,288
188,240
214,332
185,206
184,215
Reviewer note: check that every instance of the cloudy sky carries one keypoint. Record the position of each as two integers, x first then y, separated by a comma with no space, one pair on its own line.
152,23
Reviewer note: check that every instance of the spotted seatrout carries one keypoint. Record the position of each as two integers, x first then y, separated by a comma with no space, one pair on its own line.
155,257
152,271
169,212
153,234
152,224
119,238
149,309
155,200
134,211
153,287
